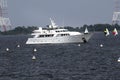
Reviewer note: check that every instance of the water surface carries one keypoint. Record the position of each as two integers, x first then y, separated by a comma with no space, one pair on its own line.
60,61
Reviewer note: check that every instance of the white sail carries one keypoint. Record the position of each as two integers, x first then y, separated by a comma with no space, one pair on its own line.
86,31
106,32
115,32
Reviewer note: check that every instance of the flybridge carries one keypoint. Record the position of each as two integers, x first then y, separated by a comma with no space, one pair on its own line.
53,25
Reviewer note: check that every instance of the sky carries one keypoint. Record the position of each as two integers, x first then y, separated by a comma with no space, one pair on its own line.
73,13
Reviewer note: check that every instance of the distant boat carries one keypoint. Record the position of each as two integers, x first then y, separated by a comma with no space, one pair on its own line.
106,32
86,31
115,32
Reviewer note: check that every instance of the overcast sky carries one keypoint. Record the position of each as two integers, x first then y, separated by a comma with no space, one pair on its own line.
68,12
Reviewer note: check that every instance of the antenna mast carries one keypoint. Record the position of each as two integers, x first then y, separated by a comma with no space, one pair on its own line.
116,13
5,23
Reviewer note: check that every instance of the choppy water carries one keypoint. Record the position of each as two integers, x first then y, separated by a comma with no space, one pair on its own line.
60,61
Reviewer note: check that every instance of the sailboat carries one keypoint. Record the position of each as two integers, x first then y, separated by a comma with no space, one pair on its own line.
106,31
86,31
115,32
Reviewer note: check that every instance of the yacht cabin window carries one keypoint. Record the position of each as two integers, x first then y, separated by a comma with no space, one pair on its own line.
48,35
61,31
63,35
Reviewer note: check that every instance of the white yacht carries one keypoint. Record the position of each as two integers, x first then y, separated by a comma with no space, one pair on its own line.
55,35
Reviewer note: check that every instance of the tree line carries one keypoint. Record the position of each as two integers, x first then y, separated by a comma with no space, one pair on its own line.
95,27
29,29
19,30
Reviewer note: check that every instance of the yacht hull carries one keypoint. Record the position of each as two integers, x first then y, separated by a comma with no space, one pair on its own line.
62,39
